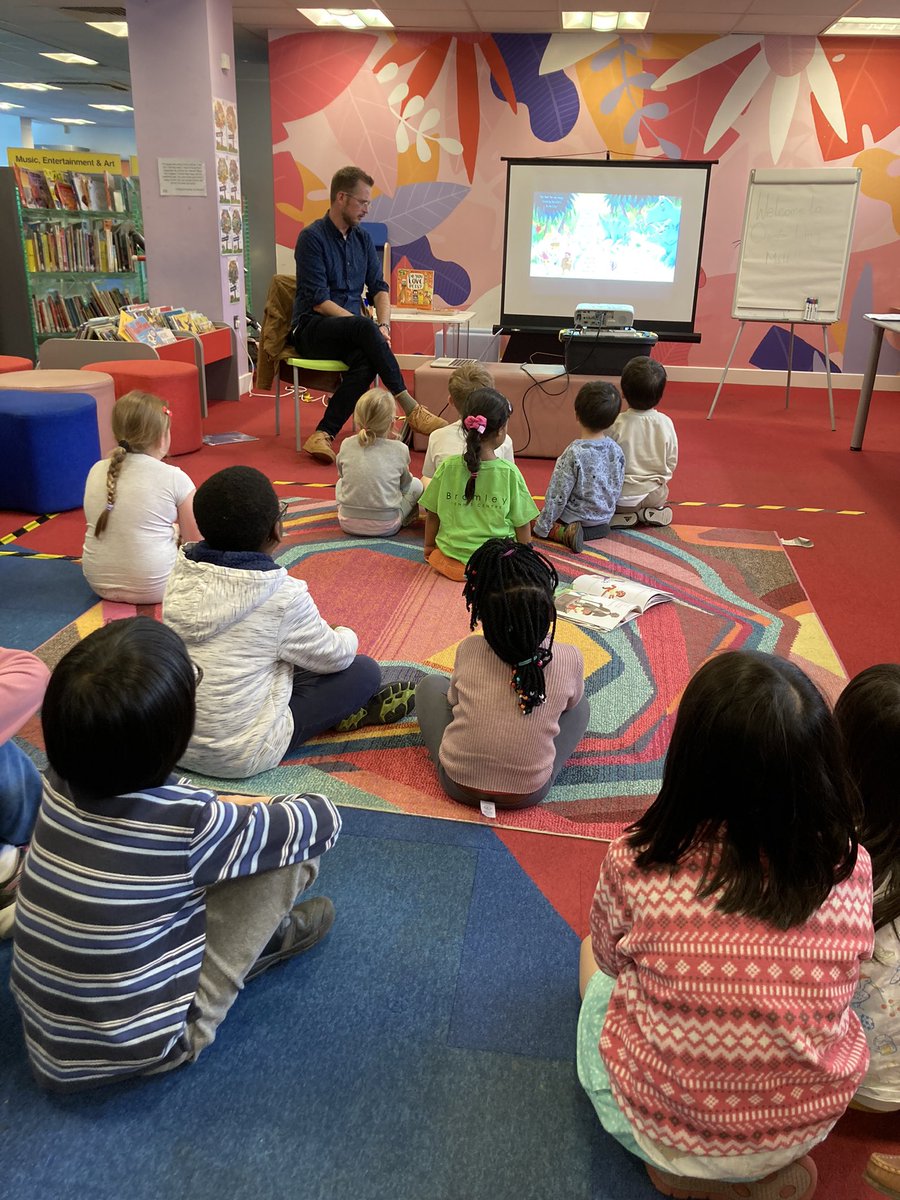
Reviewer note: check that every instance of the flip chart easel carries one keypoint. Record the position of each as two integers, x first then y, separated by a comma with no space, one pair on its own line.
795,244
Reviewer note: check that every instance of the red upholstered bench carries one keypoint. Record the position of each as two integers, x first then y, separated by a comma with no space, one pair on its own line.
175,382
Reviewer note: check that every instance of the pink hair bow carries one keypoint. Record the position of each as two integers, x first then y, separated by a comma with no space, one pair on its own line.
477,422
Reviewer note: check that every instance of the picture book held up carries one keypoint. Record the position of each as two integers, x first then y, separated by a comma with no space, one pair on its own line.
604,602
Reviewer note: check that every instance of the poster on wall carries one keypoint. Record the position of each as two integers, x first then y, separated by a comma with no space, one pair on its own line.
228,174
231,278
231,227
225,121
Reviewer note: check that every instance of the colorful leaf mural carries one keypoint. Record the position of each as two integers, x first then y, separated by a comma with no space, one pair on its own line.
430,55
312,70
552,100
867,79
414,211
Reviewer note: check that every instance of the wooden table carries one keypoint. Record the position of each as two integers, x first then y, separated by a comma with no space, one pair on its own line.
879,325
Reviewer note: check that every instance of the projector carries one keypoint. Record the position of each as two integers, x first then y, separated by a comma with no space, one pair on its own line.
603,316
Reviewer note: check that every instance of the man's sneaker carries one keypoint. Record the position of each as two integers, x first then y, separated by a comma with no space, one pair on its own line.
883,1172
389,704
306,924
571,536
423,421
623,520
656,516
9,889
318,446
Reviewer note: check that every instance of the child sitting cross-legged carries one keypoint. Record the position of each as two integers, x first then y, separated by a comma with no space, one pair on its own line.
504,724
450,440
868,714
716,1040
587,479
476,495
648,438
275,673
376,493
145,905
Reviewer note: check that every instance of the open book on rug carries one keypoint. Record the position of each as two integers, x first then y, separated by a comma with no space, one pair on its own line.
605,601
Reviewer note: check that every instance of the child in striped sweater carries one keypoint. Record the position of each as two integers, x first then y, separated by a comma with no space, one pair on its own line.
146,904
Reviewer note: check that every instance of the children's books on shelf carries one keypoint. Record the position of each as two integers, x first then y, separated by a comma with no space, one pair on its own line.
604,602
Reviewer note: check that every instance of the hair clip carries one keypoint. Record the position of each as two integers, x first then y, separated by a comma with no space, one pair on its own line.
477,421
507,553
110,506
125,446
167,411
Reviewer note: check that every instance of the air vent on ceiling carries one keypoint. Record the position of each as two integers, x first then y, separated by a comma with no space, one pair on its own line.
88,85
99,12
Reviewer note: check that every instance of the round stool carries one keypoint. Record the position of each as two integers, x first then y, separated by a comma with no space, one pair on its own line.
48,443
12,362
175,382
80,383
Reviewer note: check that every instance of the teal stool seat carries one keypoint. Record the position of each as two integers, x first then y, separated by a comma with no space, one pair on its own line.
305,370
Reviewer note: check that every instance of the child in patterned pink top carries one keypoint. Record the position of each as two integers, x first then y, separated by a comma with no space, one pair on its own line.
716,1040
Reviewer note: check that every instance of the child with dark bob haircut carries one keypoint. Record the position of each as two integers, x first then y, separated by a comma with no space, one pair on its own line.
275,672
716,1039
145,904
868,714
587,479
648,439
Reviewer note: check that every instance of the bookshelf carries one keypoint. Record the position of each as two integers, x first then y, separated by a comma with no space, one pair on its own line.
69,264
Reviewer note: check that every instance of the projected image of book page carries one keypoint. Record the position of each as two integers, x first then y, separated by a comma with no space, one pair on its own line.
589,235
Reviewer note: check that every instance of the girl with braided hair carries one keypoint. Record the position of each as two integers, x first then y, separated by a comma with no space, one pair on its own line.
501,728
376,493
476,495
136,506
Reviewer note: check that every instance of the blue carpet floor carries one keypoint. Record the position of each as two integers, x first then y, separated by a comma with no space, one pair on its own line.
425,1050
39,597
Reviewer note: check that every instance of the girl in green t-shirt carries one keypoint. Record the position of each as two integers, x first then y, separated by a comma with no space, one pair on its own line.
475,496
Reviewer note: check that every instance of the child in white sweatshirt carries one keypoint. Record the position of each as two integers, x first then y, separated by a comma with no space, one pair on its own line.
651,446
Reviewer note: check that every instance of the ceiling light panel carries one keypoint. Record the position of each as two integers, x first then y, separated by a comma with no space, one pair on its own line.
864,27
72,121
112,107
33,87
69,59
117,29
346,18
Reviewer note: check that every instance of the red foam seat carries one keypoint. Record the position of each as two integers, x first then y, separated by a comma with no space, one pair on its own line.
12,362
175,382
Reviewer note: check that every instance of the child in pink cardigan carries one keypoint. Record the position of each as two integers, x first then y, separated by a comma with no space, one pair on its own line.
716,1039
504,724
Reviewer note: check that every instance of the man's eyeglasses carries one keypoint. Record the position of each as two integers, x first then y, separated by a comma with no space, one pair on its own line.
359,199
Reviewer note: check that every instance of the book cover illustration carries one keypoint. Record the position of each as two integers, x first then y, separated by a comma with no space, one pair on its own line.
34,189
415,288
604,602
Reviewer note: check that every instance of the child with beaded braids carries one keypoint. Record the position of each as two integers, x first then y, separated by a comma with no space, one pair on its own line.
476,495
503,725
132,501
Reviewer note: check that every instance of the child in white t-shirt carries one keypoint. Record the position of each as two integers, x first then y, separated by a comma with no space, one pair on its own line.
651,446
451,440
136,506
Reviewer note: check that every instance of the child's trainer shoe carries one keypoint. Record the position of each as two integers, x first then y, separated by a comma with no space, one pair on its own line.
390,703
623,520
795,1182
656,516
304,926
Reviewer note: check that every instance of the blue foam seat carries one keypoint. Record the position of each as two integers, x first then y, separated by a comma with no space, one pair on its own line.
48,443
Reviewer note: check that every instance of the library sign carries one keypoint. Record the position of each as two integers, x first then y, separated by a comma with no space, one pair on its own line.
51,162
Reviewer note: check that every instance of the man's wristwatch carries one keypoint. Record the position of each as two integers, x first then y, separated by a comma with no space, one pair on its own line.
384,325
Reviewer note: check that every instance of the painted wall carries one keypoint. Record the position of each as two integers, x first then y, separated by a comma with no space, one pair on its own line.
431,116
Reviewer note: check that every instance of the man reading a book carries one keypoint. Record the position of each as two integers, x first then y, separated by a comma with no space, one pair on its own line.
335,259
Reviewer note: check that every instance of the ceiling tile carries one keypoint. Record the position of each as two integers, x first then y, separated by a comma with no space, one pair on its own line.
797,24
692,22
